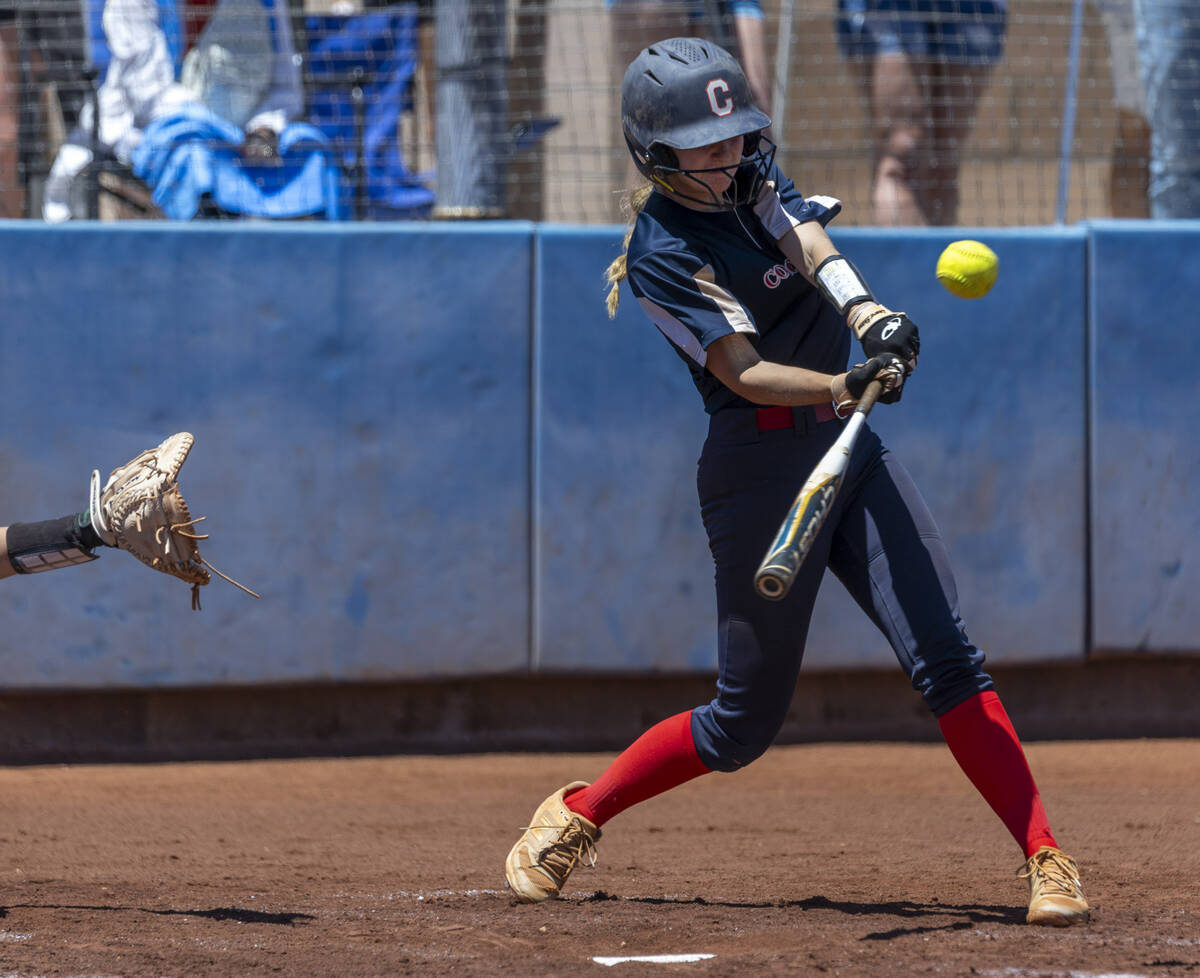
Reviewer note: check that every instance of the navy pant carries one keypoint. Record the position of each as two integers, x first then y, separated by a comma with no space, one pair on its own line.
881,542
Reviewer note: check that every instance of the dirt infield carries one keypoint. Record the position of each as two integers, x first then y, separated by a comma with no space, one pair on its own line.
852,859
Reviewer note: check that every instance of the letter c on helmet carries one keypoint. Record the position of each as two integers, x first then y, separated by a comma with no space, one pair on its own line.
718,97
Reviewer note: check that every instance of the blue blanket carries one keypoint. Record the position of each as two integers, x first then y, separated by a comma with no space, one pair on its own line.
382,45
192,154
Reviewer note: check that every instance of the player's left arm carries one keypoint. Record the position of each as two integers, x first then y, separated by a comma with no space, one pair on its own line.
807,245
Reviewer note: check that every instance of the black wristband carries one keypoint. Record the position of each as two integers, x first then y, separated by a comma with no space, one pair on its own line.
49,544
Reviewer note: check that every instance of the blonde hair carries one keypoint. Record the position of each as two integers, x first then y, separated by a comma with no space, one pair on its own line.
614,275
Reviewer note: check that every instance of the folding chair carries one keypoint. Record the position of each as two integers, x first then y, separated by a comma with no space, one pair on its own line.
358,73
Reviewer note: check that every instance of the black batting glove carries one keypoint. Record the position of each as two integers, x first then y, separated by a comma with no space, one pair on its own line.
884,331
887,368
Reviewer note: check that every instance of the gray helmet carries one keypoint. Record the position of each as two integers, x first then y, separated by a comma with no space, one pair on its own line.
682,93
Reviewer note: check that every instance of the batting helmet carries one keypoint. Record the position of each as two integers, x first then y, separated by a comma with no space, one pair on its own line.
687,92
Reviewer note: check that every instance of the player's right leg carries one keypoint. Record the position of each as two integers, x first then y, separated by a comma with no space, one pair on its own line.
891,558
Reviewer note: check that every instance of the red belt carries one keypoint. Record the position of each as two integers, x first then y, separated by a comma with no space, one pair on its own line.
773,418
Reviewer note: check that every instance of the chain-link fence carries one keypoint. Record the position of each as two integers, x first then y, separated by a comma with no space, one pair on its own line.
945,111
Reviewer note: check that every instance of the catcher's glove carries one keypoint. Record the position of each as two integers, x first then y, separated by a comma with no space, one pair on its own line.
140,509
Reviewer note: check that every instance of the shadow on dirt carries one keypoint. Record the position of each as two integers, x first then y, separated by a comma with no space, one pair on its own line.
969,915
237,914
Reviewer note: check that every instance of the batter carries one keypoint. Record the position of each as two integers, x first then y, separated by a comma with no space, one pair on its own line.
735,269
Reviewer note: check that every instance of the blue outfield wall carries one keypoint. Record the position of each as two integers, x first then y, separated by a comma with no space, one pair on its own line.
1145,473
361,408
992,429
433,454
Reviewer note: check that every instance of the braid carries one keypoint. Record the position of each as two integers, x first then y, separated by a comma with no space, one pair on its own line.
631,206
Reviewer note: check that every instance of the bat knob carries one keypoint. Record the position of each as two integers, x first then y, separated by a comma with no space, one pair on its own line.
770,586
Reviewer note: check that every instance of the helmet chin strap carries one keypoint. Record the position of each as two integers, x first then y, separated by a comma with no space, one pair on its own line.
753,167
713,203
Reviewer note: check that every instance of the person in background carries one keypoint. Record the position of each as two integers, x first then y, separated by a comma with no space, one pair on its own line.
922,66
1128,175
1168,40
41,45
241,68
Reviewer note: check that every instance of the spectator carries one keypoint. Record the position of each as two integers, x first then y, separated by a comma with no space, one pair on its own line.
241,69
12,195
40,43
922,65
1128,184
1168,38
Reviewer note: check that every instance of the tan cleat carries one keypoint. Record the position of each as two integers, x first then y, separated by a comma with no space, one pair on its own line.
555,840
1055,894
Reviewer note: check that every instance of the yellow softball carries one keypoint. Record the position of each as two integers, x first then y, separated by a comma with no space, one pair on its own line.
967,269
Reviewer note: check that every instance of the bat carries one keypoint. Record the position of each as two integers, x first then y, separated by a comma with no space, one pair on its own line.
804,520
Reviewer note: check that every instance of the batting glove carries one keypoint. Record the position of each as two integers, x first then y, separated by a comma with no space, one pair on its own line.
882,331
849,387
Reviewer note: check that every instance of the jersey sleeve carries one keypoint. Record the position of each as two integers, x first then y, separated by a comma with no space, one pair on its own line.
680,295
803,209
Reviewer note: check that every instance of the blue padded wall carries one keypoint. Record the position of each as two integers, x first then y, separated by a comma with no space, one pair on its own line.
992,428
1145,486
387,416
623,574
361,408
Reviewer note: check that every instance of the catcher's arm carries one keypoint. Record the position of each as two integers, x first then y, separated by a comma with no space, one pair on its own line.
142,510
6,566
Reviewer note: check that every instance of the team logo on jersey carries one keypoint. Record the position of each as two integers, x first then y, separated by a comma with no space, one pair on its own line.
719,99
891,327
777,274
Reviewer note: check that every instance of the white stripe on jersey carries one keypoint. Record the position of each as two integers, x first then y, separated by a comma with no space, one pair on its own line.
829,203
674,330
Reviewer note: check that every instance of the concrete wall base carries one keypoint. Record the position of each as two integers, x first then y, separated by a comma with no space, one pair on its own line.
1106,698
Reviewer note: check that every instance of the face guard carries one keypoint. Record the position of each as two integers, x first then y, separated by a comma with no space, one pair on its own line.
746,177
684,93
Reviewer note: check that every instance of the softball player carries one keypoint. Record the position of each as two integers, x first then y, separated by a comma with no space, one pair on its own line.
767,344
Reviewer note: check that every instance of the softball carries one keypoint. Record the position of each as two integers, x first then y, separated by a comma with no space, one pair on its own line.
967,269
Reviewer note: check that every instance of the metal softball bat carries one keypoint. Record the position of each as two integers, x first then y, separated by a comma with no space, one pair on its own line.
804,520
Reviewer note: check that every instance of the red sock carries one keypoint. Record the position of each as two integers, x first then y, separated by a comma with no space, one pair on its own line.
660,759
982,740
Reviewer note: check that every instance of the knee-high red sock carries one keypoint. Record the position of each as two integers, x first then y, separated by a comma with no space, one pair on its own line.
982,740
660,759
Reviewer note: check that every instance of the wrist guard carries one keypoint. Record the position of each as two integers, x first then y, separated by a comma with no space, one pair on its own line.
840,283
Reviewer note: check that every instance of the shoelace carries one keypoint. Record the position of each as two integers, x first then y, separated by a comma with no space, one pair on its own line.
162,536
1054,872
565,852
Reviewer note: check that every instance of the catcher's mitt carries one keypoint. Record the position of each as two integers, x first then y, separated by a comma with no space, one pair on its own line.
140,509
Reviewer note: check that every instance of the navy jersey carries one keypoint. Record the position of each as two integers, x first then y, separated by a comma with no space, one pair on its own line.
701,275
